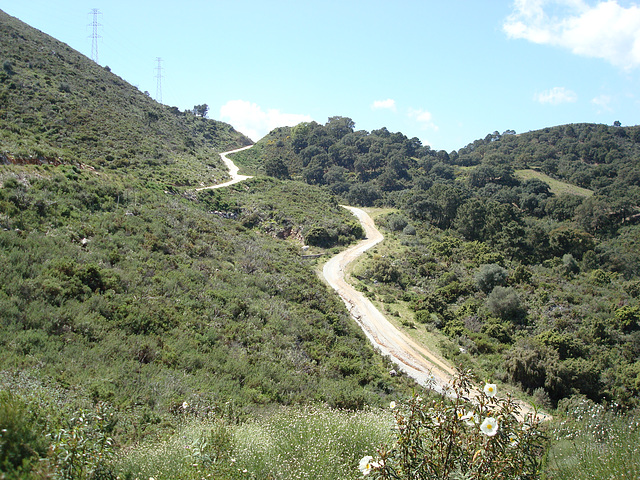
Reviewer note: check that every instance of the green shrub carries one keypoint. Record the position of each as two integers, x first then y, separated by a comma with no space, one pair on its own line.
504,302
489,276
21,439
454,437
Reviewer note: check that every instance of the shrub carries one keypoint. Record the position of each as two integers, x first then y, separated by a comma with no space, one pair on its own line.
395,222
409,230
489,276
20,439
505,303
453,437
385,271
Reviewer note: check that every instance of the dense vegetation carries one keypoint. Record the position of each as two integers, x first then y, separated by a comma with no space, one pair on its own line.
121,288
535,287
59,107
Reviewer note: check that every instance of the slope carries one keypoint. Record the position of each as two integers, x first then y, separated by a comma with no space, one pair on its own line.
57,106
119,286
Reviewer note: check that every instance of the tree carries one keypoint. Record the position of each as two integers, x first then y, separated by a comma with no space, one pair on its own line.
489,276
363,194
340,126
275,167
201,110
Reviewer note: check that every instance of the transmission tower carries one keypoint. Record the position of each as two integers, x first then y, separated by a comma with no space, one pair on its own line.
159,80
94,36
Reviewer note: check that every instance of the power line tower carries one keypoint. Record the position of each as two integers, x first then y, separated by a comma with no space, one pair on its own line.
159,80
94,36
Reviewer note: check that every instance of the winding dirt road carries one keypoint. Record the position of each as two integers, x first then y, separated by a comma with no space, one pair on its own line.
424,366
233,170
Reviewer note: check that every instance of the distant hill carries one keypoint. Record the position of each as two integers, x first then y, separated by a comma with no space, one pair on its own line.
602,158
56,106
521,249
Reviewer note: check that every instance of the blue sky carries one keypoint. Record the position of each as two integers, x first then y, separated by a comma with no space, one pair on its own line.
447,72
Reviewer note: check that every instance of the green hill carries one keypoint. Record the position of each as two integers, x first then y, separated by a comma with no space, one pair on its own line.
142,322
57,106
120,284
559,314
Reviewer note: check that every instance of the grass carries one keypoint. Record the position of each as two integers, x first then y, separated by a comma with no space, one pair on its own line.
594,443
556,186
289,443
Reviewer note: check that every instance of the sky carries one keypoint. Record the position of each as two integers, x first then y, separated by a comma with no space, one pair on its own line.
447,72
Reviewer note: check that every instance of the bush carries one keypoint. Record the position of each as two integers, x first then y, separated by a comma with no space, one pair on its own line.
409,230
489,276
452,437
505,303
395,222
20,438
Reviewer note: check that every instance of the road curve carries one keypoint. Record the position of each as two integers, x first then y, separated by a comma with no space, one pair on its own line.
416,361
424,366
233,170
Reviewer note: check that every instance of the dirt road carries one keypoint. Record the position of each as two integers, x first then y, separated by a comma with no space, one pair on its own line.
233,170
421,364
424,366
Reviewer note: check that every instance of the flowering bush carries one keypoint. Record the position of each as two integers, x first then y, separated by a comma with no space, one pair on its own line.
466,433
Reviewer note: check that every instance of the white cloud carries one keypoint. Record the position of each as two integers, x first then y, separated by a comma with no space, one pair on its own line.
423,117
603,102
255,123
605,30
556,96
388,104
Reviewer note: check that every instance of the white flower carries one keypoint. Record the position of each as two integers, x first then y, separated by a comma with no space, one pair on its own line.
489,426
490,390
513,440
439,419
185,405
367,464
469,418
392,405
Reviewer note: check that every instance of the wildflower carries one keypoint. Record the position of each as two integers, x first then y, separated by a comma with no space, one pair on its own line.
489,426
513,440
490,390
392,405
367,464
438,418
469,418
185,405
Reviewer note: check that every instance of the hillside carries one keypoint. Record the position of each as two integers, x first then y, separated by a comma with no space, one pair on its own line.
120,284
534,288
59,107
151,330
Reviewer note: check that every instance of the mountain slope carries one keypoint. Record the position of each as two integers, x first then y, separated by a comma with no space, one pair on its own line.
58,106
121,285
